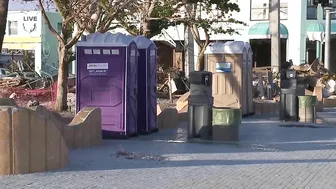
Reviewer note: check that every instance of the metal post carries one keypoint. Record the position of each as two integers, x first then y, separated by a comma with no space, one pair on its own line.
327,38
275,34
170,88
318,49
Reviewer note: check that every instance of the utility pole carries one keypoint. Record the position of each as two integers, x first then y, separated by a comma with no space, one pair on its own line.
189,64
327,37
274,12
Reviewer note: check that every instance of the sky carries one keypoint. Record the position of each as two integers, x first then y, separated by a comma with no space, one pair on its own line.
19,5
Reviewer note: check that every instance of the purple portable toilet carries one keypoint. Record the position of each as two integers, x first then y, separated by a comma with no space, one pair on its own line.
147,98
107,78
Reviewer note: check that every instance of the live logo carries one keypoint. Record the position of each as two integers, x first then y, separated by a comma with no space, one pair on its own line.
30,18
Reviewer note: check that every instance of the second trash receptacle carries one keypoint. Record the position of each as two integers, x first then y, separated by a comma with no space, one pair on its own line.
307,111
288,105
200,105
225,124
200,114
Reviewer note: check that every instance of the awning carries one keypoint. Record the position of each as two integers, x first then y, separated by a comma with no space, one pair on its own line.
165,38
18,39
316,31
261,31
24,43
23,46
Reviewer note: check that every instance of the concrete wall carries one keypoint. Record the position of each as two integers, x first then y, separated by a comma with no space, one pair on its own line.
30,143
7,102
262,108
168,118
84,130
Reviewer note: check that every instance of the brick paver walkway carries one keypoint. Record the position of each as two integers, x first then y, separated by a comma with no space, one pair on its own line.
268,156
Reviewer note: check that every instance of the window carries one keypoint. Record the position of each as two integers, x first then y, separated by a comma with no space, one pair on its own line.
59,27
333,16
311,11
260,10
283,11
12,27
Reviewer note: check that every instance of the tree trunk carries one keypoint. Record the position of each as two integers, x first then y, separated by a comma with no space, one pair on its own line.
62,80
200,58
3,19
145,28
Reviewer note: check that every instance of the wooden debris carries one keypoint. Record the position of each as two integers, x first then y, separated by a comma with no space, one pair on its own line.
10,82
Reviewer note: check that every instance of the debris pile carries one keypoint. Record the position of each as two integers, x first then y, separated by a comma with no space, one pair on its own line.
11,82
71,102
266,83
28,88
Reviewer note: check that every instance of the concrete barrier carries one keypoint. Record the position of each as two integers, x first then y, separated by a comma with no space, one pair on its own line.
182,102
264,108
7,102
168,118
83,131
328,103
159,109
30,143
53,116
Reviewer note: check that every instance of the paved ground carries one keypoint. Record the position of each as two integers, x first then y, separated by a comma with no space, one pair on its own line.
268,156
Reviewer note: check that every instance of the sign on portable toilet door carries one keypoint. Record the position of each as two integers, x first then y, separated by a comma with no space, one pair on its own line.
97,68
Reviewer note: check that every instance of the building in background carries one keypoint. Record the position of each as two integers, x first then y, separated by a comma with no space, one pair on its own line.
27,31
301,31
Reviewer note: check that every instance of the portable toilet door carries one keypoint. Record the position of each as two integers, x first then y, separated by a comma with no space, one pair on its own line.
107,78
147,97
250,77
225,61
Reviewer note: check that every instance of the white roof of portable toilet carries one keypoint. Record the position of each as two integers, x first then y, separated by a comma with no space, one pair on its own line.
230,47
143,42
106,39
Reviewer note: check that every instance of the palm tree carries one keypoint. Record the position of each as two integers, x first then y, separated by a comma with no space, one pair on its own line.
3,19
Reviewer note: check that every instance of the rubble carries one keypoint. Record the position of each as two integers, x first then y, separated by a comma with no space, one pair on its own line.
10,82
71,100
311,75
33,103
13,96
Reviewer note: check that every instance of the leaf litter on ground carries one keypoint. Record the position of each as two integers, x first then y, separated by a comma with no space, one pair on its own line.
138,156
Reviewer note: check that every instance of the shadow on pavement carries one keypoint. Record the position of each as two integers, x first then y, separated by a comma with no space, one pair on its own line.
262,141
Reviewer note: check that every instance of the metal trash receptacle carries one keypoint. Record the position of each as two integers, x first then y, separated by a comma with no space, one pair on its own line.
200,117
225,124
200,83
288,110
306,108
